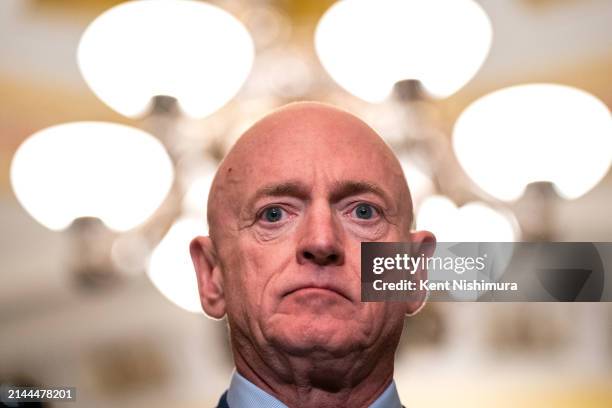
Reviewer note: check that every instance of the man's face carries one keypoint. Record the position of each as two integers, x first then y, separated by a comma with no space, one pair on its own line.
292,204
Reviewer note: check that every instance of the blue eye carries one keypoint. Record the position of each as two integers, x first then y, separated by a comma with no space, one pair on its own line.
273,214
364,211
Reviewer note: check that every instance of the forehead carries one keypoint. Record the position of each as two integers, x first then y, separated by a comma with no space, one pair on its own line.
313,146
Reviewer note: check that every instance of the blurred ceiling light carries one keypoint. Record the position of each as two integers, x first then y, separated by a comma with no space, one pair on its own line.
419,182
268,25
130,252
391,120
529,133
195,199
171,269
113,172
369,45
190,50
283,72
473,222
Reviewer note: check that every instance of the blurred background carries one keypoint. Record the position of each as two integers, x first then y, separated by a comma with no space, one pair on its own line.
114,116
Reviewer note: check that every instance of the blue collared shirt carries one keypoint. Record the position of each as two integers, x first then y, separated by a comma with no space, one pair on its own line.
244,394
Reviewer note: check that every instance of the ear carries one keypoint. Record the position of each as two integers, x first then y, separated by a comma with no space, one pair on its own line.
210,278
423,243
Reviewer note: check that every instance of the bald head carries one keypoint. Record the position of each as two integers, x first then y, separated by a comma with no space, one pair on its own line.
300,138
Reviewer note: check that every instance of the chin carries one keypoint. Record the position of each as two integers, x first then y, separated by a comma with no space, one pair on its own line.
306,335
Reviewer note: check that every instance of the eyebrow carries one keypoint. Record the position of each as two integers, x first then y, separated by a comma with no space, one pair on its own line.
349,188
291,188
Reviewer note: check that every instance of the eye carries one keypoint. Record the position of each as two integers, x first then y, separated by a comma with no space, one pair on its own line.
365,211
272,214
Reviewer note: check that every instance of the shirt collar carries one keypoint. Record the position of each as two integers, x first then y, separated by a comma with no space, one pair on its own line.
244,394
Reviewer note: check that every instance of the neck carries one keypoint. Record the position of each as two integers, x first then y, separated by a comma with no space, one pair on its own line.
317,379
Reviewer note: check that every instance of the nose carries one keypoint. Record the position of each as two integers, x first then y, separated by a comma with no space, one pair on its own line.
320,239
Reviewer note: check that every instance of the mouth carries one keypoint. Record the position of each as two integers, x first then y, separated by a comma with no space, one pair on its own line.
318,289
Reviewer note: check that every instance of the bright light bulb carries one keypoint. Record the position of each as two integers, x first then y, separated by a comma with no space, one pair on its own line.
529,133
369,45
113,172
473,222
190,50
171,269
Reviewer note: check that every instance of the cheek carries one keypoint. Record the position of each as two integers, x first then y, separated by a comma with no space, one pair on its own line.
353,261
254,270
376,322
387,317
272,234
382,230
373,232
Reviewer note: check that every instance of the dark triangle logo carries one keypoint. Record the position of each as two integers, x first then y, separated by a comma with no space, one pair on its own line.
563,284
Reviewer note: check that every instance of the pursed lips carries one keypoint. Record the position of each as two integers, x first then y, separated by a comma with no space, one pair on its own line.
318,286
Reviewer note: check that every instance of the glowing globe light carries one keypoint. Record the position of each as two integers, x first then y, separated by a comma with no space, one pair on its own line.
530,133
190,50
171,269
473,222
113,172
369,45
